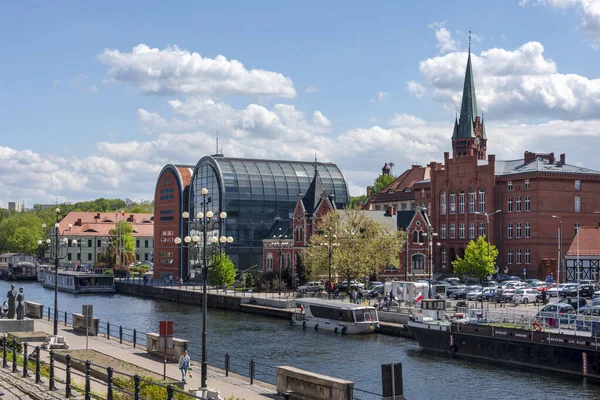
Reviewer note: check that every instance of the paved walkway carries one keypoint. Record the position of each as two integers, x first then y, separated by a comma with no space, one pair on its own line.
226,386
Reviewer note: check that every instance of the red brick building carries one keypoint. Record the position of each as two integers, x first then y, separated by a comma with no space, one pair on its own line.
524,200
171,194
400,194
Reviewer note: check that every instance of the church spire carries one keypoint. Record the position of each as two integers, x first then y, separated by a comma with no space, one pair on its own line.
468,107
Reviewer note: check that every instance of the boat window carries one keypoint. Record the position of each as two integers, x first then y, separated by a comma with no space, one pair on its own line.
373,315
360,315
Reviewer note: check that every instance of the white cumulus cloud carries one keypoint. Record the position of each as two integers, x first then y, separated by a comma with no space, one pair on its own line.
443,37
415,88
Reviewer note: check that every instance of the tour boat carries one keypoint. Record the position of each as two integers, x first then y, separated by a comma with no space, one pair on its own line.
21,271
336,316
80,282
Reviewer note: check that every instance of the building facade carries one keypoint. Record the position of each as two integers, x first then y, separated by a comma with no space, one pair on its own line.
16,206
583,256
400,194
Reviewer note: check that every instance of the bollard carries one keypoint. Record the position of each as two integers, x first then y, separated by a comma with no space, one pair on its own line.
51,378
226,364
251,371
134,337
170,392
120,334
4,363
65,318
48,313
14,360
136,387
68,377
25,374
88,366
109,383
37,364
108,330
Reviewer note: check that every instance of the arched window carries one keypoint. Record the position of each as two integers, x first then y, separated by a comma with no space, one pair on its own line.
288,261
300,238
443,203
415,237
269,262
418,261
421,238
461,202
471,201
481,200
452,202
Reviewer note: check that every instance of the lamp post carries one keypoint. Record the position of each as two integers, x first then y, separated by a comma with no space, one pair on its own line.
487,230
330,243
559,263
57,258
430,235
78,244
205,221
280,244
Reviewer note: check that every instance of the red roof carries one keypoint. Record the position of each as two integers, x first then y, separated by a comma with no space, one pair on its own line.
397,190
99,224
589,242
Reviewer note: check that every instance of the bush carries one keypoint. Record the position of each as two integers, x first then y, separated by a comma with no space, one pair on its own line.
149,389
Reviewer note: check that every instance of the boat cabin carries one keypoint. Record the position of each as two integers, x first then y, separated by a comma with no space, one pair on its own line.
432,310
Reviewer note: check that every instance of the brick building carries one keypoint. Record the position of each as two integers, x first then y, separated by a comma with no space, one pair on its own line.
524,200
400,194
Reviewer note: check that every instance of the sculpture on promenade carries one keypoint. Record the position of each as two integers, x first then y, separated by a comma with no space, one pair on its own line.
21,304
11,302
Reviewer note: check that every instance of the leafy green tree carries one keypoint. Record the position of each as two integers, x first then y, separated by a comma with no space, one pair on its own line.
356,200
381,182
301,270
360,246
125,242
477,262
222,271
20,233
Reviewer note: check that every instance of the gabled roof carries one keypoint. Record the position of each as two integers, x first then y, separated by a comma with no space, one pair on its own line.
539,165
99,224
314,194
404,218
397,190
281,227
589,242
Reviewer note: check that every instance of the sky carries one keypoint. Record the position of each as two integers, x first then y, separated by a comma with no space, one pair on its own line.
96,97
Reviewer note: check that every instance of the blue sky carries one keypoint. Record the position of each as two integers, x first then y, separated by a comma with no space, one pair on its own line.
358,82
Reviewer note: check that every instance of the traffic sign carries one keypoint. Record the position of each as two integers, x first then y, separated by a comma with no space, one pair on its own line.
549,279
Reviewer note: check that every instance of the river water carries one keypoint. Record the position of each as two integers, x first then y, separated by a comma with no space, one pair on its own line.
272,342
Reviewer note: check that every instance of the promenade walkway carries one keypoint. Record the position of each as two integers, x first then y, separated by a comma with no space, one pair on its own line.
226,386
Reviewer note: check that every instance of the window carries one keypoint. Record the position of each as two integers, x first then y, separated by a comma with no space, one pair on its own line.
518,204
443,203
481,200
288,262
89,242
577,185
527,184
461,202
146,243
99,243
137,243
415,236
418,261
509,232
577,226
518,235
146,256
421,237
509,205
481,229
518,256
269,262
452,231
137,256
461,231
471,231
527,230
577,204
89,256
527,256
69,256
510,257
471,201
443,231
443,254
452,203
509,186
527,203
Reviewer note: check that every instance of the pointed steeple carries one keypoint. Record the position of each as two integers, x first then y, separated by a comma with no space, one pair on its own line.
314,193
455,132
468,107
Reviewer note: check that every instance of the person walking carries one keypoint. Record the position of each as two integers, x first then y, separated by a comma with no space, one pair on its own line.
184,365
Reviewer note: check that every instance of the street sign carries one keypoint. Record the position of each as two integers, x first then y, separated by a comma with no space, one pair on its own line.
166,333
87,310
524,270
549,279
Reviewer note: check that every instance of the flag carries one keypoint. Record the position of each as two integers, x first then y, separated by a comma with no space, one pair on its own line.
122,213
419,297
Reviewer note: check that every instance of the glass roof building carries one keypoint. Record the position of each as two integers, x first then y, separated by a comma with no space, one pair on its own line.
252,193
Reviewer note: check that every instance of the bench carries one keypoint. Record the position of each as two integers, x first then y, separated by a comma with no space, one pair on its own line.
55,342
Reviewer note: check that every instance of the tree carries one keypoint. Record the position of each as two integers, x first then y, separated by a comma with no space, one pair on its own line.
381,182
476,262
222,271
356,200
360,245
20,233
300,270
122,238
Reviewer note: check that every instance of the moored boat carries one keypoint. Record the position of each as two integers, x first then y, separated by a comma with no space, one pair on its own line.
336,316
80,282
21,271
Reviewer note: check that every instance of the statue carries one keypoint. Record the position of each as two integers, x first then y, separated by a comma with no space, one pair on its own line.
21,304
11,302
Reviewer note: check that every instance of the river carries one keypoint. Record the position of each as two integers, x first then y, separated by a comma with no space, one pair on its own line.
273,342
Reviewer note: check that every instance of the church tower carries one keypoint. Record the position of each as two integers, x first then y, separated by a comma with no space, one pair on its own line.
469,138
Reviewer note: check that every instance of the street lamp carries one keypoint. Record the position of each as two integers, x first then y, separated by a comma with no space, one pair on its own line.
559,263
57,258
430,235
280,244
206,221
78,244
330,243
487,230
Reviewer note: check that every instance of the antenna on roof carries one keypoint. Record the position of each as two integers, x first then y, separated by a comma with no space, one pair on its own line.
217,144
469,40
316,163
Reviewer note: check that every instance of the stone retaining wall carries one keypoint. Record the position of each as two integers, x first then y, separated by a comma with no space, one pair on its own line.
301,384
34,310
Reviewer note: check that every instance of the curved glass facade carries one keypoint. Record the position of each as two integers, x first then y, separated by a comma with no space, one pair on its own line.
253,192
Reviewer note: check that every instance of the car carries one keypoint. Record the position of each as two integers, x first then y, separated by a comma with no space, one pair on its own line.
311,287
487,293
556,311
374,284
454,288
474,294
507,295
534,282
570,289
524,296
375,292
555,289
452,281
587,315
572,301
462,293
343,286
590,304
516,285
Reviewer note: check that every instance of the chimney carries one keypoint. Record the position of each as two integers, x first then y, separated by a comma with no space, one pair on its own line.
562,159
131,218
551,158
446,157
528,157
393,210
78,223
97,216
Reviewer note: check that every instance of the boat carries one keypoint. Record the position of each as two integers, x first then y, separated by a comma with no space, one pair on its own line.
521,341
336,316
80,281
21,271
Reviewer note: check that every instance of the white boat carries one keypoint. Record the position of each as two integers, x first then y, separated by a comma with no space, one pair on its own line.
336,316
80,282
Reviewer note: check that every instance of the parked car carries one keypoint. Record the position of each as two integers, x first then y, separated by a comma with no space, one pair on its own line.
584,291
557,311
587,315
555,289
572,301
450,290
507,295
343,286
452,281
375,292
311,287
487,294
474,294
525,296
462,293
570,289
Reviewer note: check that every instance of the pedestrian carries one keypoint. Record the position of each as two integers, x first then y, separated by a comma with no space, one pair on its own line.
180,282
4,309
184,365
170,279
225,288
